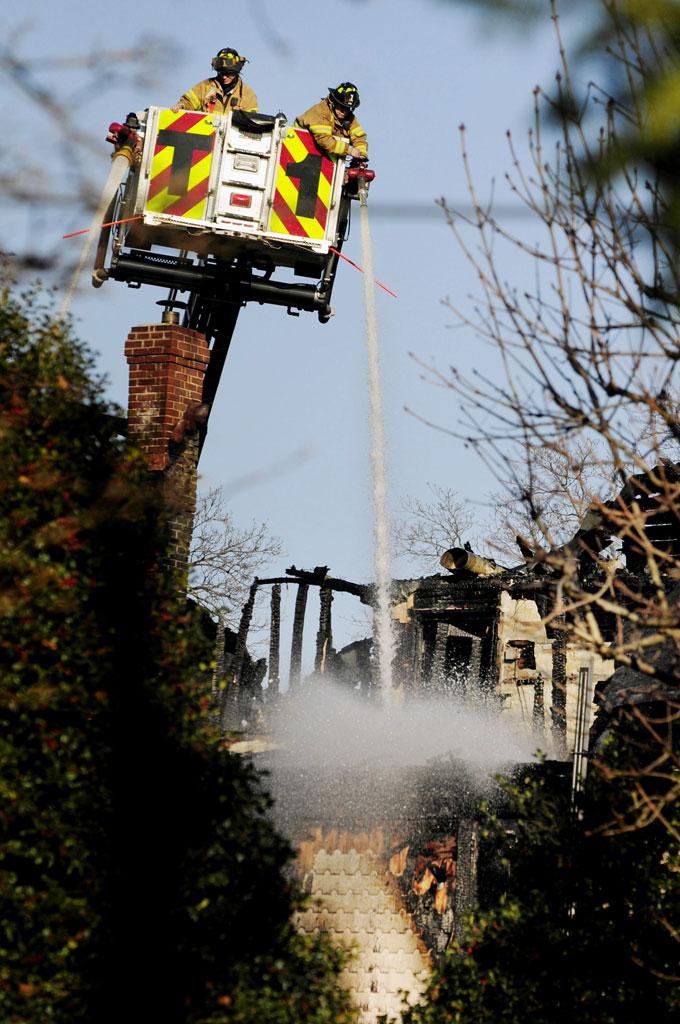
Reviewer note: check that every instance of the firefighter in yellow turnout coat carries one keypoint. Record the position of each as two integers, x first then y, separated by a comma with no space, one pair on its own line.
332,123
226,91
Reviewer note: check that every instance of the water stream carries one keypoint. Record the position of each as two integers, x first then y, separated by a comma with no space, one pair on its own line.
384,639
341,759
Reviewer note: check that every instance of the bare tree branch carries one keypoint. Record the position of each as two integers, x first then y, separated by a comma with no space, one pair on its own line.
224,558
428,528
63,174
578,414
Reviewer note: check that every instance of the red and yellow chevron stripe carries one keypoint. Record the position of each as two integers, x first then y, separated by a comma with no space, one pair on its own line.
180,169
304,180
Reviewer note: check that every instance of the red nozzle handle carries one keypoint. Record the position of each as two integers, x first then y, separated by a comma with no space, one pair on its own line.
114,131
361,172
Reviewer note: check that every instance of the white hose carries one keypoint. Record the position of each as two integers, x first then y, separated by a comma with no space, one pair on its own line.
119,166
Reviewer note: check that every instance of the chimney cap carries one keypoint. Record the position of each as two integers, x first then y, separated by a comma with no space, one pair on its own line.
170,307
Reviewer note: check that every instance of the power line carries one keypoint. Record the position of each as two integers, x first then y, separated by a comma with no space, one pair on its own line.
395,210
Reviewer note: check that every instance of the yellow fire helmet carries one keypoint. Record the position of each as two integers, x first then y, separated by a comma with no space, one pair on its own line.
228,61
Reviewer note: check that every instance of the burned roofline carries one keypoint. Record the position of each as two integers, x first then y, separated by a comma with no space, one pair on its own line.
470,584
596,531
318,578
515,580
478,598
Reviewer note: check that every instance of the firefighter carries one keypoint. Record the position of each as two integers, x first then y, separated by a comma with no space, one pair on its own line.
226,91
332,123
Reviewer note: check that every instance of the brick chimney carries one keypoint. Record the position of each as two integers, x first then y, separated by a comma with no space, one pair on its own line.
167,366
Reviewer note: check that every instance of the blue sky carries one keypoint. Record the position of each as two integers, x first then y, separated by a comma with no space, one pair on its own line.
292,410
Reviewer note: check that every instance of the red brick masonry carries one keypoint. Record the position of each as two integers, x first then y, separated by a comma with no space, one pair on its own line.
167,365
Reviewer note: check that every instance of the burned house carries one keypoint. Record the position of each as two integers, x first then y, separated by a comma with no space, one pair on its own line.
480,633
475,633
395,879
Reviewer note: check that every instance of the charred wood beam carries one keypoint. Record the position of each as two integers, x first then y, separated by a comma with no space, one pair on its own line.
236,668
324,637
319,577
439,657
489,662
298,632
538,710
558,711
275,579
418,645
314,579
275,638
218,676
475,669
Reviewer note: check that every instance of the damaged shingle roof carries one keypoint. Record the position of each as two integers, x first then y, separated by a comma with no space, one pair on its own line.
359,905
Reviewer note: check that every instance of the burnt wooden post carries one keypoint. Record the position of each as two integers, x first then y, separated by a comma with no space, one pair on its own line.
475,668
403,663
218,680
539,704
489,666
417,674
298,631
558,710
232,691
437,681
324,637
275,638
467,853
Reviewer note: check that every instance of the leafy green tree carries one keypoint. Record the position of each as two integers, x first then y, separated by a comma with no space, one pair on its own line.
140,877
